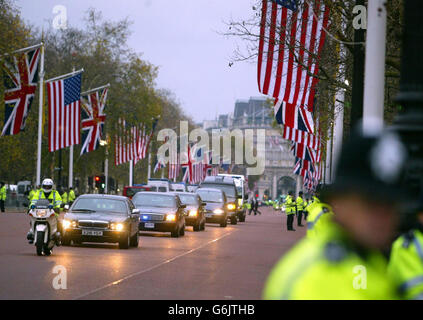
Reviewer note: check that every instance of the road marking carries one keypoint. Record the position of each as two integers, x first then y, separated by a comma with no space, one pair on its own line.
117,282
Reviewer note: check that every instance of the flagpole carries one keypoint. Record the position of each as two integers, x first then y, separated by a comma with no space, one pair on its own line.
68,75
95,90
40,117
149,164
374,80
70,182
131,170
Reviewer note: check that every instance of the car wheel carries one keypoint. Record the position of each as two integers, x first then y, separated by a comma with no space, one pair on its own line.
175,233
125,243
224,223
135,240
242,218
66,242
203,226
234,220
197,227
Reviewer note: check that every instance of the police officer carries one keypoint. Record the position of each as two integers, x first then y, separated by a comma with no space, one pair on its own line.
290,211
71,196
406,261
346,261
300,208
47,192
64,197
3,195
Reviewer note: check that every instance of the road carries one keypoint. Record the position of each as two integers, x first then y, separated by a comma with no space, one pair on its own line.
220,263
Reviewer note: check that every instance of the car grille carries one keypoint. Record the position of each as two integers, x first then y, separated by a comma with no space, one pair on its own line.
94,224
152,217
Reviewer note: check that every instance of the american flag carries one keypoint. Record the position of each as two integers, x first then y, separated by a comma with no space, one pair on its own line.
302,137
21,76
93,118
143,141
124,144
291,40
64,98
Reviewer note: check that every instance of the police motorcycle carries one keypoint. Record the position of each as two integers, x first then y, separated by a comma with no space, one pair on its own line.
44,227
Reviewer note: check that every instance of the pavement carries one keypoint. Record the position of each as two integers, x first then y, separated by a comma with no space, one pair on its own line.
219,263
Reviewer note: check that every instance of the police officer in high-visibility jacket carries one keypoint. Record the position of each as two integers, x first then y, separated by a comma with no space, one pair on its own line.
406,261
290,211
3,195
346,261
71,196
300,208
47,192
64,198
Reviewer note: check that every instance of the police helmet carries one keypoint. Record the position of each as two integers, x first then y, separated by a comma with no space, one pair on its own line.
47,185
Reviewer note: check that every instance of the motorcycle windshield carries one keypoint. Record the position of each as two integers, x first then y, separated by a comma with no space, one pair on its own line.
42,204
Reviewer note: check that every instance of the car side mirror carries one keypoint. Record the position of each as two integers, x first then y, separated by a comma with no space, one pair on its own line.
183,206
135,211
66,207
203,204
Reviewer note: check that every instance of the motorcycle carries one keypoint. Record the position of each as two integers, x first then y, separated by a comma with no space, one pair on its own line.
43,227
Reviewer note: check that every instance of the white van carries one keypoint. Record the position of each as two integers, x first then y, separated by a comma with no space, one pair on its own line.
178,186
159,185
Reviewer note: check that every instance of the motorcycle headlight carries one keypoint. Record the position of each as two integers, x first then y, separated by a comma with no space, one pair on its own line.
171,217
193,213
41,213
231,206
218,211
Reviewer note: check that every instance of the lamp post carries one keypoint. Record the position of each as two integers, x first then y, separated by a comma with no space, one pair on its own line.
409,123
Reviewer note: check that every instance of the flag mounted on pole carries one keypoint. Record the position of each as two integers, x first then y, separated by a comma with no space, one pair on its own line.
21,77
292,35
93,118
64,102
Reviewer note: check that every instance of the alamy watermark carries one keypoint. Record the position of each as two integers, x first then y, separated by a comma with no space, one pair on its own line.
60,20
60,281
360,280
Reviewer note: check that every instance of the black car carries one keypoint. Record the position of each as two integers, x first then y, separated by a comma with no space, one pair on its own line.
101,218
162,212
216,206
227,185
194,213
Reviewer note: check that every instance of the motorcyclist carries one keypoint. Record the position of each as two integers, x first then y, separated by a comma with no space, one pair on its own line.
47,192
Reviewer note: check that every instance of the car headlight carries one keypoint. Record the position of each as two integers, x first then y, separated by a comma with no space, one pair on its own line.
67,224
218,211
231,206
193,213
117,226
171,217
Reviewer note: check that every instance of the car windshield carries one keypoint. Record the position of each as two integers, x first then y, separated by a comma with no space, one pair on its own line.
188,198
154,200
228,189
210,196
100,205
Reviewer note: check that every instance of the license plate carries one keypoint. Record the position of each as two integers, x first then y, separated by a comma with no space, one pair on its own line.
92,233
149,225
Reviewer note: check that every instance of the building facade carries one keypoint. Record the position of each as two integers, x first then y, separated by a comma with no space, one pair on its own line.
255,114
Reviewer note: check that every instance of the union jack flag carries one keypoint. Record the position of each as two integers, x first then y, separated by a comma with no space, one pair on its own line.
21,77
93,118
188,168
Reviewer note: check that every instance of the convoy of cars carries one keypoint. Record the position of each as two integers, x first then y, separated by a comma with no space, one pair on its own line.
159,206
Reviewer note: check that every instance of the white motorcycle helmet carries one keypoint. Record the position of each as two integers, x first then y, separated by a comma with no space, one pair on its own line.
47,185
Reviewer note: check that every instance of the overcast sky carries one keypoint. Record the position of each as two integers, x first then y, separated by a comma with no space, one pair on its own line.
180,37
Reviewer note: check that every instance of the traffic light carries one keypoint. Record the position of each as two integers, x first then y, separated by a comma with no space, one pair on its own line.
97,181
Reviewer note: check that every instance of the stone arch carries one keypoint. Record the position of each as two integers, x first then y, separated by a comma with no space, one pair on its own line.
286,184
